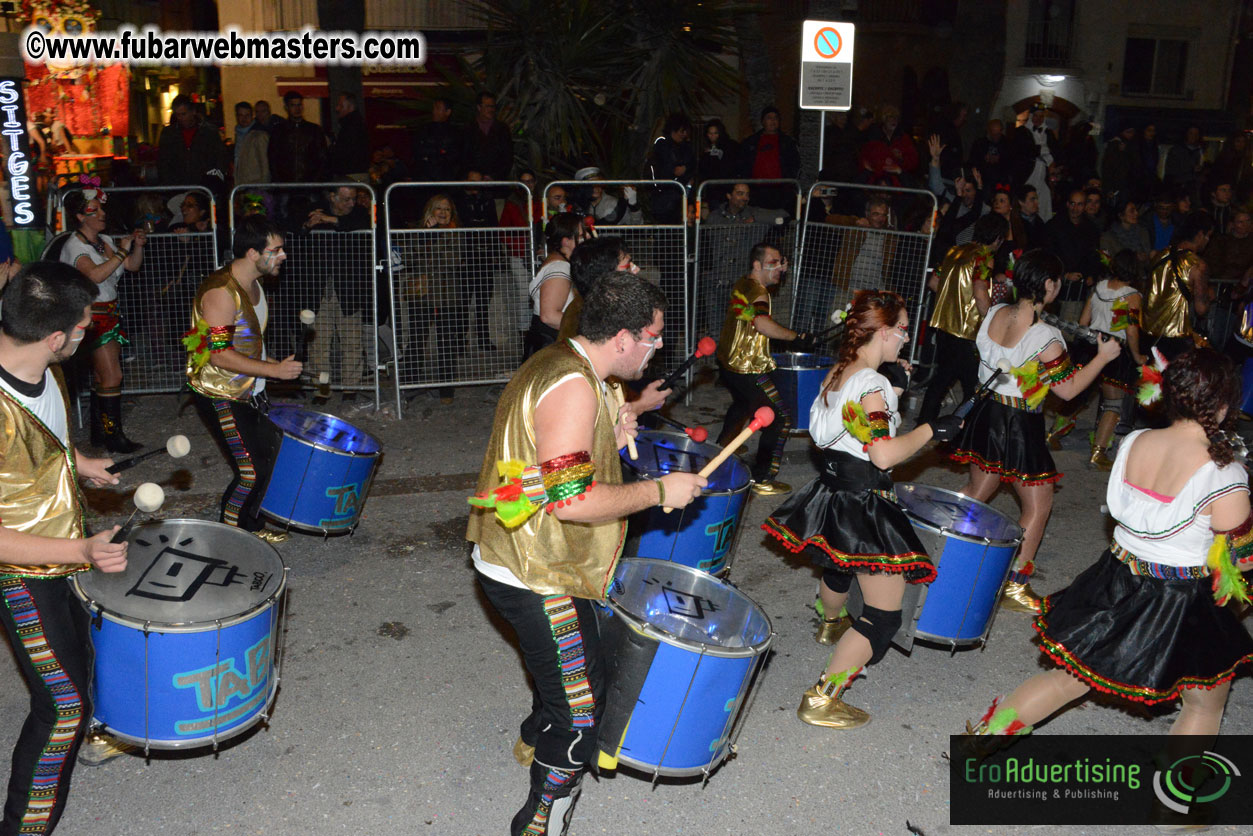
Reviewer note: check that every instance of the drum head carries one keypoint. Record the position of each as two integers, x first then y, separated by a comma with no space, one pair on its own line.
955,513
688,607
800,361
663,452
322,430
187,572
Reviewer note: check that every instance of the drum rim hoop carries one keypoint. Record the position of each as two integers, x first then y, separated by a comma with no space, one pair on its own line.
98,608
666,637
284,407
748,481
896,487
780,367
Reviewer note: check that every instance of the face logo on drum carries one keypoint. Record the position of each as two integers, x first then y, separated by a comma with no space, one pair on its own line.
684,603
177,575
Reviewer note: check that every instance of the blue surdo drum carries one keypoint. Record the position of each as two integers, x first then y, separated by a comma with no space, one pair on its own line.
799,379
323,472
972,546
185,638
684,649
700,535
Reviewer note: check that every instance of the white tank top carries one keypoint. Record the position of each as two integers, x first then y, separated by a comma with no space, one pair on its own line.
826,421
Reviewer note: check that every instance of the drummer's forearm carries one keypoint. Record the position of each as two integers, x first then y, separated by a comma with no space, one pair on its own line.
889,452
232,361
604,503
18,548
768,327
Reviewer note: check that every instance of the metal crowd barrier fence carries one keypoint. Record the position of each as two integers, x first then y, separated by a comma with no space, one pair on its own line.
657,239
725,238
873,238
332,269
155,302
457,281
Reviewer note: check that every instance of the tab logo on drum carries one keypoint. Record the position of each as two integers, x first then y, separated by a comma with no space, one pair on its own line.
346,497
217,685
722,533
177,575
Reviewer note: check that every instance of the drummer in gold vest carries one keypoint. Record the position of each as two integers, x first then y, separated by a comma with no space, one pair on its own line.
549,522
1179,288
960,285
46,312
745,364
227,368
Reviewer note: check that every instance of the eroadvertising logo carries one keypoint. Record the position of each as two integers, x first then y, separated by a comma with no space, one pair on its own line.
1099,780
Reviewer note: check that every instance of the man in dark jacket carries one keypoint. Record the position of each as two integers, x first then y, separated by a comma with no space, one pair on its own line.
770,155
297,147
437,146
189,148
991,155
488,144
350,152
1075,240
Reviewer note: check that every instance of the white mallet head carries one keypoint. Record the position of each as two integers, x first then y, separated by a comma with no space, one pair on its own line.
1003,366
324,378
149,497
307,317
177,446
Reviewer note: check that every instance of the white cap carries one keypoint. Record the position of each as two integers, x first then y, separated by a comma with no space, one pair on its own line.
587,173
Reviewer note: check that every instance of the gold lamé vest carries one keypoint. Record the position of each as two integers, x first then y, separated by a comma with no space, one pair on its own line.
550,556
570,318
955,310
741,347
209,379
38,485
1166,312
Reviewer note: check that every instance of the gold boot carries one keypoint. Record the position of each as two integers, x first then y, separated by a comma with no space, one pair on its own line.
1099,461
99,748
523,752
1061,428
821,704
770,487
1019,597
829,632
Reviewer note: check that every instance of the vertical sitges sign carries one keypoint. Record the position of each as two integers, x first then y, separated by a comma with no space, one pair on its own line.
826,65
18,169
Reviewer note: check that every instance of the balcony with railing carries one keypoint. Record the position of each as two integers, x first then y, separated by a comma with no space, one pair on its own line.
1050,34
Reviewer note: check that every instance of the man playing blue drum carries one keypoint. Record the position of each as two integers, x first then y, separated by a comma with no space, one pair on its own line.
550,547
227,368
47,310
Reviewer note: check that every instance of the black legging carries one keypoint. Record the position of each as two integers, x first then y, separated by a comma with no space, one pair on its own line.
748,393
955,359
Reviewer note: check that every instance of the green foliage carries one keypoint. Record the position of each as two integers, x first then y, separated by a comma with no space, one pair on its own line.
586,81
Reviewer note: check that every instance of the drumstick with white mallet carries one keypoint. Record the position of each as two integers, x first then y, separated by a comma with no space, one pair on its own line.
307,318
149,497
176,445
1002,367
763,417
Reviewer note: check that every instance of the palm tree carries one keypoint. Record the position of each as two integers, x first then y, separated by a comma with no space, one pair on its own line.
588,80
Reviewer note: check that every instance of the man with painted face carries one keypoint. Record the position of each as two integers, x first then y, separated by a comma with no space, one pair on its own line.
745,364
227,368
47,310
542,567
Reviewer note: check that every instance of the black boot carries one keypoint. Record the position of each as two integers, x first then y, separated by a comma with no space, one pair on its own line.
550,804
97,426
115,440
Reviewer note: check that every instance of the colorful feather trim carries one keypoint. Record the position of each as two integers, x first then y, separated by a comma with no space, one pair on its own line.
857,422
1001,721
1225,578
1031,383
520,494
196,341
741,309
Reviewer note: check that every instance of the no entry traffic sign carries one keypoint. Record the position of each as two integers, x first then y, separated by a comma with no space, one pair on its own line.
826,65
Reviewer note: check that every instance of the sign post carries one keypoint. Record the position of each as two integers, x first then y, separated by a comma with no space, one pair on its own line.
826,70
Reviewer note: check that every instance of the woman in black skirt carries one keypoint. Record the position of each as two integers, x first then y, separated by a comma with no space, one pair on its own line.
847,519
1146,622
1003,439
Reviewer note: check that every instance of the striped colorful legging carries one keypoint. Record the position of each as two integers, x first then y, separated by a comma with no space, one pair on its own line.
253,445
48,629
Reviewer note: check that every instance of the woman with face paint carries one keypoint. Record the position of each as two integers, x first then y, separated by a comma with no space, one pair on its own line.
845,519
102,260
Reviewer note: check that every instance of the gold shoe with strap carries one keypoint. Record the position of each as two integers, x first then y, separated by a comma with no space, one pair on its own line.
771,488
1019,597
271,537
830,631
98,749
523,752
1099,460
821,704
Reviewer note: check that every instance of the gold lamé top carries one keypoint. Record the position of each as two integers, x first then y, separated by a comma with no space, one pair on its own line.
549,556
741,347
209,379
955,309
38,486
1166,312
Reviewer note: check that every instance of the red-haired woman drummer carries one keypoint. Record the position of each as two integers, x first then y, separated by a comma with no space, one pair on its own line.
847,518
1003,439
1146,622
